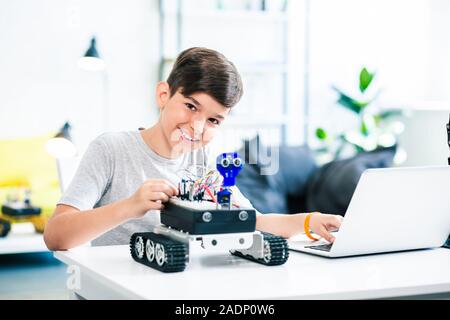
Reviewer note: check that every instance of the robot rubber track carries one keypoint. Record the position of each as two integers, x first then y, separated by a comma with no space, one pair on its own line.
276,251
158,251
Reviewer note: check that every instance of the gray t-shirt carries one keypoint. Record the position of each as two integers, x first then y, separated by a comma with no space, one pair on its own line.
113,168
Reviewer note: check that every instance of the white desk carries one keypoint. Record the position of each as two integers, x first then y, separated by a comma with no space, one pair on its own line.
110,273
22,239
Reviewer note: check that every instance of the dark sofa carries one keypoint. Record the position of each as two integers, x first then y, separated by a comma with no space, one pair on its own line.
299,184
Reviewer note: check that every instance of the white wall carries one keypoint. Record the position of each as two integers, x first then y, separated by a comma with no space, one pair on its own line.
405,41
425,138
438,88
40,84
389,37
407,44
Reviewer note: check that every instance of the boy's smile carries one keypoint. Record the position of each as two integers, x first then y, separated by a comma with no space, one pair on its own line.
186,123
185,136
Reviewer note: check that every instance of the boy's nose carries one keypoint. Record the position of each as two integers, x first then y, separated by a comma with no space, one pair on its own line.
197,127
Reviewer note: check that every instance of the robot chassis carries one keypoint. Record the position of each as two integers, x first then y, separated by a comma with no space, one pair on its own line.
217,225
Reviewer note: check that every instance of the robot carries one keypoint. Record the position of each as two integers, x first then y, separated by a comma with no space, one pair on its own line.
17,211
208,216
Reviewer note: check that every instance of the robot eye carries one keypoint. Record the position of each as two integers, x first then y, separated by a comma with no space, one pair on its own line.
225,162
237,162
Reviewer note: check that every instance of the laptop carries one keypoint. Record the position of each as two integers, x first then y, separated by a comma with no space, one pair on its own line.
393,209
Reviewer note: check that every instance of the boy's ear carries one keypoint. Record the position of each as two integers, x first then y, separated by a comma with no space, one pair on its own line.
162,93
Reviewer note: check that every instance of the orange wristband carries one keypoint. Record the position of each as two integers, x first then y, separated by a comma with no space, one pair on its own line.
306,227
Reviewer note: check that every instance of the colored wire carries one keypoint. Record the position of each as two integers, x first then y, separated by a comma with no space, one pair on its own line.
211,195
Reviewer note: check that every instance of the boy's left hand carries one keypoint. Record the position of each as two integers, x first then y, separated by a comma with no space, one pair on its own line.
322,225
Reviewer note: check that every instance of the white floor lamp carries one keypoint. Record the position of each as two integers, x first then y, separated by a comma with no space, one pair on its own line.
91,61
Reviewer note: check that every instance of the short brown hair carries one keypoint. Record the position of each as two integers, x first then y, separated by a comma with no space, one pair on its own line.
205,70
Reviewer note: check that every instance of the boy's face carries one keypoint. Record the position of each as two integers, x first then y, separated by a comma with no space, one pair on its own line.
189,122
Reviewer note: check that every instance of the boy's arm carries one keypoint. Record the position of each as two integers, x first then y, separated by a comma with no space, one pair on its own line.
288,225
280,224
70,227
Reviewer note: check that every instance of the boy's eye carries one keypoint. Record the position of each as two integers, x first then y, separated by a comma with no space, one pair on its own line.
191,106
214,121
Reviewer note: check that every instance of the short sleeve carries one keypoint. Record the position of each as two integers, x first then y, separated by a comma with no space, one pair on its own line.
91,178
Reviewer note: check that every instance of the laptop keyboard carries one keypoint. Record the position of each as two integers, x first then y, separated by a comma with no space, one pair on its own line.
322,247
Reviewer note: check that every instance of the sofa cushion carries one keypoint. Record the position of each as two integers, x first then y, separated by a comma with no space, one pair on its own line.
256,188
289,168
331,187
297,165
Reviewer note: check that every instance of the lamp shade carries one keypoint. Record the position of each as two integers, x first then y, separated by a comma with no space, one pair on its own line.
61,145
92,51
91,61
64,132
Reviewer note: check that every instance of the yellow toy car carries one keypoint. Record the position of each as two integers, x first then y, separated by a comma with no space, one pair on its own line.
14,211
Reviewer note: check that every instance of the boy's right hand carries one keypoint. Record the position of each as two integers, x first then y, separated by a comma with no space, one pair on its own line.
322,224
150,196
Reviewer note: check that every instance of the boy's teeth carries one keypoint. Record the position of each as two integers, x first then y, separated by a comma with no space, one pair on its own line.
186,136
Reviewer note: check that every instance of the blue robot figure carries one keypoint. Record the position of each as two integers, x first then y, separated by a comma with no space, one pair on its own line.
229,165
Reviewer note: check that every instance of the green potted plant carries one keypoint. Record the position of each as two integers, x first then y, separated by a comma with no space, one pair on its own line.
376,128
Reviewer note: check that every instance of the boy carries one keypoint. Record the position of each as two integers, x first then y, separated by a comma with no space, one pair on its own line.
125,178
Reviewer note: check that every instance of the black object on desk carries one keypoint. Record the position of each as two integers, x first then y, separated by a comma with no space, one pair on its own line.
198,221
447,243
448,136
15,211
